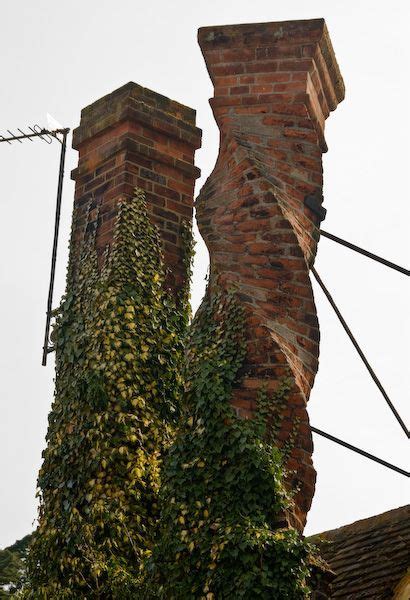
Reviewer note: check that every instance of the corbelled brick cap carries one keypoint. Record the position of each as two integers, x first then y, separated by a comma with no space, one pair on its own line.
136,137
265,64
275,84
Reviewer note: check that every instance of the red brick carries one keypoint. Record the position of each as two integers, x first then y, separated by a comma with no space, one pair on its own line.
234,69
251,210
109,170
240,89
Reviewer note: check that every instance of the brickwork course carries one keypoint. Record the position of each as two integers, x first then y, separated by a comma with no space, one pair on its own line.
274,86
135,137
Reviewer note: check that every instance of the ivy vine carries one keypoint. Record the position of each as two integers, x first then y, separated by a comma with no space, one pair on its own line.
223,490
119,348
151,486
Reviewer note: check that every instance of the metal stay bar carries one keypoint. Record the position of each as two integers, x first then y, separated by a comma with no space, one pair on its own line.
364,252
380,461
360,352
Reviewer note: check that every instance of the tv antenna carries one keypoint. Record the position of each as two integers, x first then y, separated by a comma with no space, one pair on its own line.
46,135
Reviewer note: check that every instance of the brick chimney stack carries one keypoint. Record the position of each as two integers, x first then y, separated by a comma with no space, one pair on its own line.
136,137
275,84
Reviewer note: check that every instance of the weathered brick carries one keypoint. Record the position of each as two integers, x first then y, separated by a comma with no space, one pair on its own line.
136,137
240,89
251,213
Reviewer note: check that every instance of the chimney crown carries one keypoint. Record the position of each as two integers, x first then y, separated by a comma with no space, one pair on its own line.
268,64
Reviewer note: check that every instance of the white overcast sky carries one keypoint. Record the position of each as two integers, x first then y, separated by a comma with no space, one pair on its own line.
58,57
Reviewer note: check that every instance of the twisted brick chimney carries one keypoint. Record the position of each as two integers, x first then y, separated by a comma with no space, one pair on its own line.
275,84
136,137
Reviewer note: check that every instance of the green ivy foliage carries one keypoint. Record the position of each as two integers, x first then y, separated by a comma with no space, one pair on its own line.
223,489
151,486
119,349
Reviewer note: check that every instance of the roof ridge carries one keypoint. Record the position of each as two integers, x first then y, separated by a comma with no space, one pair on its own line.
375,522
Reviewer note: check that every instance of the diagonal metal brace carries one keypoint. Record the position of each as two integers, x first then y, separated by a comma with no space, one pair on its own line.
360,352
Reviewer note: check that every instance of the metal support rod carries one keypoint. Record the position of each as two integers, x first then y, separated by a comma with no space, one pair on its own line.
359,451
55,242
360,352
379,259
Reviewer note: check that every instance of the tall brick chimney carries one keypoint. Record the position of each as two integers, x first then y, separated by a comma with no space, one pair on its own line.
118,346
136,137
275,84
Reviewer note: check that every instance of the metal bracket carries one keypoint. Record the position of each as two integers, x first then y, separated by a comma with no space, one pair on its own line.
313,202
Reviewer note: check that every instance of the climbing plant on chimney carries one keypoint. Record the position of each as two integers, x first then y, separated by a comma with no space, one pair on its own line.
119,346
151,486
223,491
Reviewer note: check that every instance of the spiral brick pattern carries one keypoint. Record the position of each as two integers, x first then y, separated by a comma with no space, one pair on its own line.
275,84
